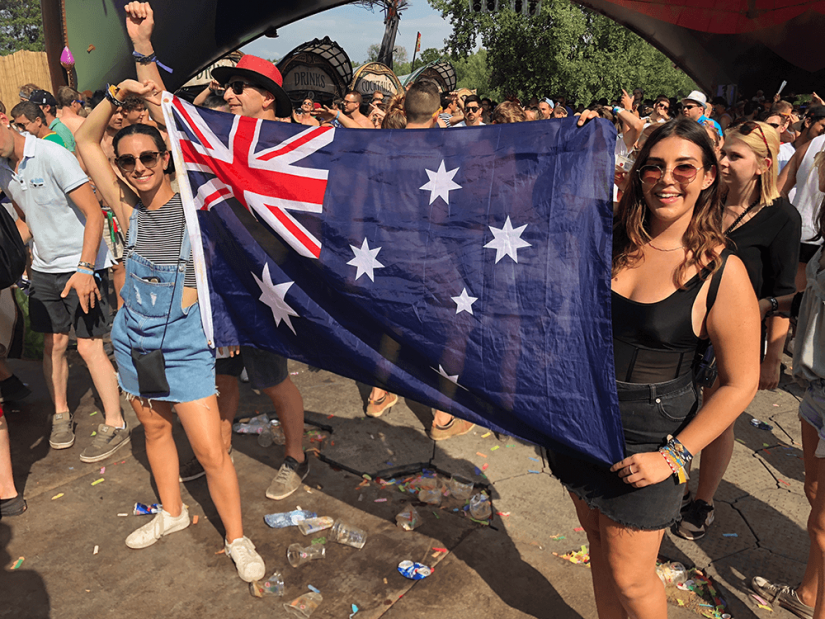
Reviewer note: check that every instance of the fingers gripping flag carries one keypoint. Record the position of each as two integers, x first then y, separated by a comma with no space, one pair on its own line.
466,269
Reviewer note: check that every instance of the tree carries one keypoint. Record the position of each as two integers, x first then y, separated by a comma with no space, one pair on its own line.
21,26
427,56
474,72
565,49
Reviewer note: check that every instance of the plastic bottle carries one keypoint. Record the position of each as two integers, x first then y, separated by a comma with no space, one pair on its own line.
288,519
313,525
298,555
480,507
253,426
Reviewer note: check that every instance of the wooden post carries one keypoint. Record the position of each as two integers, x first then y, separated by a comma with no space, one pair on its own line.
52,11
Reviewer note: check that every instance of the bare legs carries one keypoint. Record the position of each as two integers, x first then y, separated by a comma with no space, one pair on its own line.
7,489
440,418
623,562
56,372
228,399
202,424
289,405
812,580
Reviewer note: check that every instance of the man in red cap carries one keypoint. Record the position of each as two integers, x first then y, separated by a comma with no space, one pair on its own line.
253,89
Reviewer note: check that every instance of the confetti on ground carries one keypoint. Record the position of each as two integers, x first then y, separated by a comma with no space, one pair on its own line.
437,517
557,537
97,548
503,514
380,500
510,445
730,535
759,599
741,441
439,549
330,416
484,468
18,563
360,497
313,589
477,471
579,529
94,432
496,447
681,603
221,551
478,453
57,496
195,519
782,481
318,540
581,557
532,471
102,470
123,515
385,581
97,481
765,445
762,606
776,404
94,413
486,435
534,459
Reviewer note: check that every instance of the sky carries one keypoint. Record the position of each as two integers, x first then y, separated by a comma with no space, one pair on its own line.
355,29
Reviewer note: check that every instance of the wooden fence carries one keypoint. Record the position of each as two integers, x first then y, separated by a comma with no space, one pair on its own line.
21,68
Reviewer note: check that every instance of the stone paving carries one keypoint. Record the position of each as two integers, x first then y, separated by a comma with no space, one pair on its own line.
507,570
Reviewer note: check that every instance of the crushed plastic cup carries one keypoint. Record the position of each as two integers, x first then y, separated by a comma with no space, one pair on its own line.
303,606
673,573
348,535
313,525
255,425
480,507
409,519
288,519
298,555
430,496
274,585
460,488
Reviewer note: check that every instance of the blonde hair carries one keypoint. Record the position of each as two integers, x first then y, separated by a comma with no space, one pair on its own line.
767,182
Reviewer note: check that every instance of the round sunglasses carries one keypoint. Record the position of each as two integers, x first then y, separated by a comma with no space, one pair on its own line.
148,159
683,174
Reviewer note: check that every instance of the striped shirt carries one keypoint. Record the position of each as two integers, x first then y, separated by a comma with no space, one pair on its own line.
160,234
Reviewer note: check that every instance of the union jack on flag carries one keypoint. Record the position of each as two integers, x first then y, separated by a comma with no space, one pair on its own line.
466,269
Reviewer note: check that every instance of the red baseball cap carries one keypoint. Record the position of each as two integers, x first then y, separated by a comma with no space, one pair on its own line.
262,73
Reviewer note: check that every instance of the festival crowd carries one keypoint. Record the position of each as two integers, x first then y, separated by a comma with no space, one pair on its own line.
717,270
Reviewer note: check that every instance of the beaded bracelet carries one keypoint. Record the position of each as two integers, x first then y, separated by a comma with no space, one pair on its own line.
87,265
141,59
678,470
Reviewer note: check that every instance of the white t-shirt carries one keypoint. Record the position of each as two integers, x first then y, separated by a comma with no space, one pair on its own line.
40,187
808,197
786,151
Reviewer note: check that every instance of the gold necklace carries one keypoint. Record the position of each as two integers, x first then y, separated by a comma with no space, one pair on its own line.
660,249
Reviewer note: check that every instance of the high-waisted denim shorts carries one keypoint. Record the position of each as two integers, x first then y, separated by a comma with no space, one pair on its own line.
650,412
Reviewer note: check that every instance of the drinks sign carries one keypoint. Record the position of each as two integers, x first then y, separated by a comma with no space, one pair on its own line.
304,77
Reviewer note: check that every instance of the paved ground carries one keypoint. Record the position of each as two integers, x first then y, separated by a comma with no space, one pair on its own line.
507,570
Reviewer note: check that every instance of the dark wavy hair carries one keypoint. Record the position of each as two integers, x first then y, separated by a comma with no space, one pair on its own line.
631,226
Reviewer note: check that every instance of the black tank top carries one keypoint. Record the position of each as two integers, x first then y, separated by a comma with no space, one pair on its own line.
654,342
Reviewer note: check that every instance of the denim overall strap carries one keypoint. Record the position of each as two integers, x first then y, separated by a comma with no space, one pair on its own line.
133,225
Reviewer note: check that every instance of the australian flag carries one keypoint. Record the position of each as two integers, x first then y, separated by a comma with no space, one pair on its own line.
467,269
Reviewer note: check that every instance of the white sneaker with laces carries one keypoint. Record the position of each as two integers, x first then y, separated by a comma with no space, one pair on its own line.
249,563
162,524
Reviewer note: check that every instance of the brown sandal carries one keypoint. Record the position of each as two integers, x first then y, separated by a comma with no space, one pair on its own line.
376,408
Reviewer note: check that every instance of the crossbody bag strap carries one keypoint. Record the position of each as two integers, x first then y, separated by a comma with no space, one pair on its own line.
183,258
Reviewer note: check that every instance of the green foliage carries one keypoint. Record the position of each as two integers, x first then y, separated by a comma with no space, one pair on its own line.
21,26
426,57
474,72
565,49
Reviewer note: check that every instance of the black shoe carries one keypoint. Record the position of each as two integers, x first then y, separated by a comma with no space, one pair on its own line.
12,507
695,521
13,390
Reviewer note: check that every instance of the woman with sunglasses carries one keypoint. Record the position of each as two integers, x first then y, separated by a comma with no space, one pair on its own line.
764,229
161,313
673,286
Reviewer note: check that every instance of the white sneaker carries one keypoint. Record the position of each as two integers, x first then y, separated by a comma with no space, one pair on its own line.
162,524
249,563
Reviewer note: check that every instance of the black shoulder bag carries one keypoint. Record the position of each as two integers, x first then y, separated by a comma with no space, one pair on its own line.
12,250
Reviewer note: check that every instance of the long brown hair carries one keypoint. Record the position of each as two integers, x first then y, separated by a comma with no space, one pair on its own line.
631,226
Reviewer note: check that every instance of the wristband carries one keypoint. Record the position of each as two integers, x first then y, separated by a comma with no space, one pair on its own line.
774,305
618,109
141,59
85,271
87,265
337,116
111,91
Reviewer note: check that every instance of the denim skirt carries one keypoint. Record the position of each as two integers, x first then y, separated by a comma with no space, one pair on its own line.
650,412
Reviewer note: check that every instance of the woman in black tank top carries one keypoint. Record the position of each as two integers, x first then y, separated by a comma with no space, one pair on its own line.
673,287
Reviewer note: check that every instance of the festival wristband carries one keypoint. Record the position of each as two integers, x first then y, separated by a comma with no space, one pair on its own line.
85,271
111,95
337,116
149,59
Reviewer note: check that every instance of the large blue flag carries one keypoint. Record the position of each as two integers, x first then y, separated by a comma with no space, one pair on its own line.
466,269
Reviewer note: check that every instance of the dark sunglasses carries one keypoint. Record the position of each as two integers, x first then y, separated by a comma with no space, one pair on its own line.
663,106
684,173
22,126
148,159
238,86
690,107
774,125
748,127
473,109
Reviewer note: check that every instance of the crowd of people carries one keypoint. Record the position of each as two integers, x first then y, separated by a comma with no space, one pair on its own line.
717,252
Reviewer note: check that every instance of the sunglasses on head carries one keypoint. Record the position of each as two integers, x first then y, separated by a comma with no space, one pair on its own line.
684,173
148,159
238,86
747,128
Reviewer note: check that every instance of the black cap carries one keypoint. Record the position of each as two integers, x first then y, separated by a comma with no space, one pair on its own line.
43,97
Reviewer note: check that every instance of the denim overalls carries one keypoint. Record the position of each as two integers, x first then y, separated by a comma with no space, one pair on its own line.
152,295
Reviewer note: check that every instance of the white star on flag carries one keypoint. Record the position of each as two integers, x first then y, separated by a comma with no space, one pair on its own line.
507,241
441,183
464,302
443,372
273,296
365,260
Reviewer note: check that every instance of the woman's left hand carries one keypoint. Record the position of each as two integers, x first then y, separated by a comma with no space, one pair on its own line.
643,469
769,373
